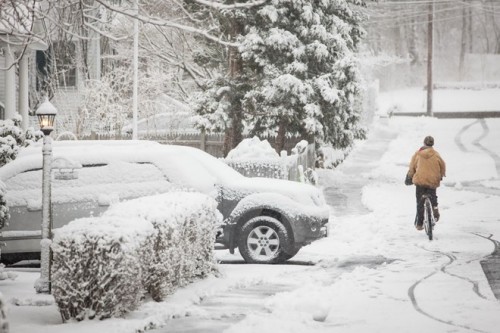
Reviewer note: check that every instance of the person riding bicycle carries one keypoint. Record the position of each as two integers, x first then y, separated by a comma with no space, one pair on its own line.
427,169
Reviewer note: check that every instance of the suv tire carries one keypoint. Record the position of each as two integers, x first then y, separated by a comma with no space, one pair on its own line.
261,241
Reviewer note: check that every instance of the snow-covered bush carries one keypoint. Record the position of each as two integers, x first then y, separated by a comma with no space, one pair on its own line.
186,225
4,324
270,168
103,266
4,209
12,138
99,266
255,158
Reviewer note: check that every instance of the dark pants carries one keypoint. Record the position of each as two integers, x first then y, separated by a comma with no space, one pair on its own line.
421,190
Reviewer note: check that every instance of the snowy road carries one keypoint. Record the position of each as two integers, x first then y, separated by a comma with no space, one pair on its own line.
374,273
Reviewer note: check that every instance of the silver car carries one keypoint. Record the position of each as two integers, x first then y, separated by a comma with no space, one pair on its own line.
268,220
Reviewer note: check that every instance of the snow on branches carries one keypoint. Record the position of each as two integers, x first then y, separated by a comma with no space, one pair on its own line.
298,60
314,43
104,265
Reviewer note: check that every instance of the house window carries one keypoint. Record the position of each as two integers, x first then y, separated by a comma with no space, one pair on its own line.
57,65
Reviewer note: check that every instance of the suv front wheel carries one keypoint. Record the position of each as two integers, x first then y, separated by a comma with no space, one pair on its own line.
262,239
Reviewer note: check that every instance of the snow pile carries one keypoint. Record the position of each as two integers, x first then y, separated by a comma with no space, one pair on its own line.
255,158
186,225
4,274
98,266
252,148
103,266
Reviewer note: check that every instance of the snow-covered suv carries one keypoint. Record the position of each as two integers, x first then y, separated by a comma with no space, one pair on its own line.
269,220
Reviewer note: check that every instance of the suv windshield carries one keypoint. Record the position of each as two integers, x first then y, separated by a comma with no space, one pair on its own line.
220,170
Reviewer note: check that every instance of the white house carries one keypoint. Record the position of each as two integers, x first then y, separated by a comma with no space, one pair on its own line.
21,34
28,57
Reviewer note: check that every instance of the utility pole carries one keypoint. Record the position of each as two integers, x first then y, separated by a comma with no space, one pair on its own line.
136,69
430,54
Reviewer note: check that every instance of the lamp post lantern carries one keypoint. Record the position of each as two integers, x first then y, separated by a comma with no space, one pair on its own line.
46,114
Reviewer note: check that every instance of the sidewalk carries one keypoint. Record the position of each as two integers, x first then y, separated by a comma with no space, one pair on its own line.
344,193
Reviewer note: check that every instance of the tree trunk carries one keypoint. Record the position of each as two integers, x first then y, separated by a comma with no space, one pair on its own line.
234,134
281,137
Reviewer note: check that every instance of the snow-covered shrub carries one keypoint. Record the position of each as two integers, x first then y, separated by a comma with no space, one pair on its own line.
333,157
255,158
270,168
12,138
186,226
99,266
4,209
4,324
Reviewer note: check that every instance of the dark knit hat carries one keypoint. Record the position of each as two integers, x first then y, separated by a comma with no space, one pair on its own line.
429,141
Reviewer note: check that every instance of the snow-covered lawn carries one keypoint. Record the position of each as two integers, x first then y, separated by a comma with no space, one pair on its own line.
374,273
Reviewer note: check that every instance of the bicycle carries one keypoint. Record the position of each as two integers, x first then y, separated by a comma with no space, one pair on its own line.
429,220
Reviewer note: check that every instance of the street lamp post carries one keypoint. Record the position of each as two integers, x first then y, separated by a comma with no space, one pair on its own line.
46,114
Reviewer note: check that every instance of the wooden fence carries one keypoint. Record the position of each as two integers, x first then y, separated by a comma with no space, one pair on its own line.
212,143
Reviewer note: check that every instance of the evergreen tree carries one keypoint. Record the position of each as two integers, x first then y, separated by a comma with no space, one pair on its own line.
303,54
297,73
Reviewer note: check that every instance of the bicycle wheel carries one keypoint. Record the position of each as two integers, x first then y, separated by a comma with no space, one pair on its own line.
428,218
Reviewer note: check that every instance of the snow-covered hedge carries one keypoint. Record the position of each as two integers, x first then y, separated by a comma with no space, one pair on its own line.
98,266
186,224
4,324
103,266
255,158
274,168
4,208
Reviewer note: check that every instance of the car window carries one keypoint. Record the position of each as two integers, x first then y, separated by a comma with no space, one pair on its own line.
220,170
110,182
185,171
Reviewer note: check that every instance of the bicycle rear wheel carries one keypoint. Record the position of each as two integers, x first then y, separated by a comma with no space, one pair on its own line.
428,218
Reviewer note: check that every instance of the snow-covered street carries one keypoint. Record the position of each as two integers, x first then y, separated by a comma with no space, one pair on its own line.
374,273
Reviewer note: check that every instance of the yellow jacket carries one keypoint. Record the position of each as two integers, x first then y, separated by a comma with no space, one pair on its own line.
427,168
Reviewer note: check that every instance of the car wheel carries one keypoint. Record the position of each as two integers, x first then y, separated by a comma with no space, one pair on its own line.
262,239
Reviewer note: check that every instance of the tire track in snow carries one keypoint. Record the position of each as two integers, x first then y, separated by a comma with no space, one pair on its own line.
496,244
414,301
476,185
491,265
444,269
475,284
